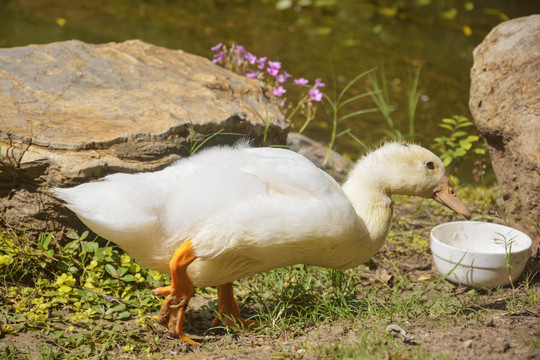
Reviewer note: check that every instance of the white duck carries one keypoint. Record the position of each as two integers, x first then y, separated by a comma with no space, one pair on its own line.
231,212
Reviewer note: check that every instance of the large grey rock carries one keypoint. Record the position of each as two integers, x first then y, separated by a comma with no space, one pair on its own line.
505,103
72,112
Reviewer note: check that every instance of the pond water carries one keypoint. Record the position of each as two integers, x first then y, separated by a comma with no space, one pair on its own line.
347,36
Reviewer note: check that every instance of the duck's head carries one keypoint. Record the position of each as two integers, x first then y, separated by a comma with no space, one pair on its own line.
407,169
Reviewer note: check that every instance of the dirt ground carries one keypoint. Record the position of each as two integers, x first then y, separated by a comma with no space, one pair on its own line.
504,334
501,336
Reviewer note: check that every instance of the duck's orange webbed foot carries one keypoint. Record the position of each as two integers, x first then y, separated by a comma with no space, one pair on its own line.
173,309
229,311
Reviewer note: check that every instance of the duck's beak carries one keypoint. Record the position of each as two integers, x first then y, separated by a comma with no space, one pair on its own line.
448,197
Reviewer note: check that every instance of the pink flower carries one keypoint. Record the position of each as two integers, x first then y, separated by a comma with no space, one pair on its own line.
241,50
281,78
287,75
301,81
250,58
315,94
253,74
319,83
274,65
261,62
280,90
272,71
217,47
218,57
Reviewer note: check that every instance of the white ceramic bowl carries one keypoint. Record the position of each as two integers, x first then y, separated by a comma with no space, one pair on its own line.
473,253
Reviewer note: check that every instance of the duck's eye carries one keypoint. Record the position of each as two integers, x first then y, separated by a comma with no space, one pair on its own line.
430,165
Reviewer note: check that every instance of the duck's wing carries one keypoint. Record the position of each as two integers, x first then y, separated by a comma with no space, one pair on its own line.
288,201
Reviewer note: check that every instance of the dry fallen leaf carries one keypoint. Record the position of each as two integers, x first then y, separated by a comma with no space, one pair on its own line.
383,276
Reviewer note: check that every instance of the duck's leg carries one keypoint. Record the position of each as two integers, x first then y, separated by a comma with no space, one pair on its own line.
229,311
180,292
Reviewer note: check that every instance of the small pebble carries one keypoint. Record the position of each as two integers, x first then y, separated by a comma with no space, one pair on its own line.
467,344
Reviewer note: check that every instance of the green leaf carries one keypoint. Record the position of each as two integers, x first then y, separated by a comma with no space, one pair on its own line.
442,139
465,124
70,244
72,235
124,315
356,113
480,151
62,266
128,278
446,160
115,309
121,271
111,270
460,152
100,309
47,241
84,235
449,121
445,126
83,294
466,141
91,247
460,133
